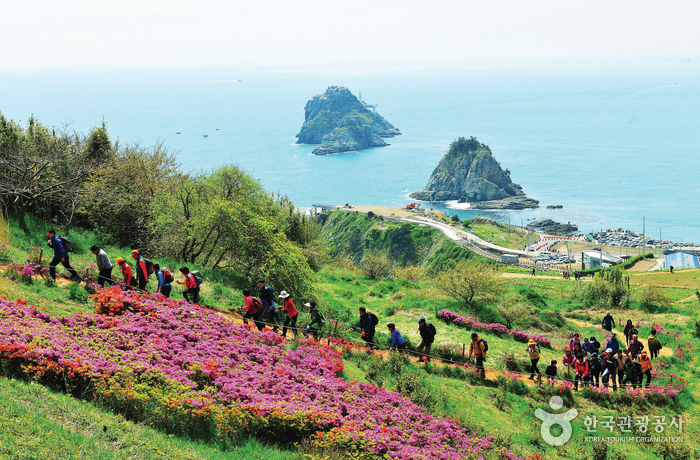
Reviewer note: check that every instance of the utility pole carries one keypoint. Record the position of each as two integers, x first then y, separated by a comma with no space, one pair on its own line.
644,231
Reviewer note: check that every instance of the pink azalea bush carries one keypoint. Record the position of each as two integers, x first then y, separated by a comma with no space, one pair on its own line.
496,328
189,371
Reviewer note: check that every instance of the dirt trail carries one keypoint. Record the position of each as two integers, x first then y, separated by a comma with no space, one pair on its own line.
665,351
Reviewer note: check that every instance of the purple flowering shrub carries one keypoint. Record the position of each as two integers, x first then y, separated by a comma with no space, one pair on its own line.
189,371
496,328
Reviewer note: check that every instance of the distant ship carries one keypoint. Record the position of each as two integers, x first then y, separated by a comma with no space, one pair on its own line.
177,132
206,135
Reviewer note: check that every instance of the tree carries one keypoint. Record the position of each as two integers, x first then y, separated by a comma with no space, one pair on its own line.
468,280
512,313
376,264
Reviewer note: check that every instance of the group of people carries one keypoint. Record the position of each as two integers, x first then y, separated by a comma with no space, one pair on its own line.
262,310
577,275
144,270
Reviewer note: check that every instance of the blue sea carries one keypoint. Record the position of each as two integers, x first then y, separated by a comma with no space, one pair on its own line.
613,142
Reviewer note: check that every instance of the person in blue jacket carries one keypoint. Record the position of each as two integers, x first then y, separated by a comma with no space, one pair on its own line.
60,255
613,344
397,341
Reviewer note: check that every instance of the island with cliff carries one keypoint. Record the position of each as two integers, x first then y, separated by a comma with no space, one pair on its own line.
469,173
340,122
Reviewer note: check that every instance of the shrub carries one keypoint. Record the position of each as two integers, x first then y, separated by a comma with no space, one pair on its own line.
532,296
376,264
77,294
411,385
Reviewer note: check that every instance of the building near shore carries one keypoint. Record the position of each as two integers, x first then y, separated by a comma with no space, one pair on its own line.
682,260
595,258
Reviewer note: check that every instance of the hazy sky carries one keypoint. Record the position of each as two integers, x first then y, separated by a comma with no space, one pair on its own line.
124,34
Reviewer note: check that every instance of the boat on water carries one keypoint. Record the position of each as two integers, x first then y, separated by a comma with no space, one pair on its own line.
178,132
206,135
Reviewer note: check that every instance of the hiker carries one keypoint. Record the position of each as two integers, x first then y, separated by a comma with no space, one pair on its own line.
316,320
367,326
613,343
253,309
165,279
654,344
671,268
533,351
533,271
578,350
551,372
635,347
127,274
608,322
191,292
611,365
596,368
60,254
587,346
141,269
427,338
267,296
629,331
397,341
621,357
104,265
477,350
568,361
646,369
292,314
596,344
633,373
574,340
582,368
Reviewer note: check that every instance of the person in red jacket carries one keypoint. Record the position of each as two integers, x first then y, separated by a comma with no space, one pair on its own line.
191,292
141,272
127,274
582,369
253,310
292,314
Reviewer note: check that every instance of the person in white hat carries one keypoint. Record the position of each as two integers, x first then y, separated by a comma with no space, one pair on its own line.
292,313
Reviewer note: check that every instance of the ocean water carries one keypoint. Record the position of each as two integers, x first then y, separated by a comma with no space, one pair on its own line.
613,142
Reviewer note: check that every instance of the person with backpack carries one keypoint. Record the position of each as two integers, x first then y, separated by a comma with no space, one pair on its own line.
551,372
191,292
587,346
104,266
533,351
621,357
60,255
610,366
292,314
608,322
583,370
629,331
427,338
165,279
635,347
253,310
317,320
267,296
613,344
367,323
127,274
654,344
633,373
596,345
646,369
574,340
397,341
477,349
596,368
143,269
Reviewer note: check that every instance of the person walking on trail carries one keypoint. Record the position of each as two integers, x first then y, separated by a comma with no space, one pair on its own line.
477,350
292,314
267,296
621,357
253,309
587,346
533,272
582,368
645,362
613,343
654,344
574,340
629,331
427,338
633,373
60,255
635,347
568,361
104,266
316,320
596,344
608,322
596,368
397,341
127,275
551,372
610,365
165,279
141,270
367,325
671,268
533,351
191,292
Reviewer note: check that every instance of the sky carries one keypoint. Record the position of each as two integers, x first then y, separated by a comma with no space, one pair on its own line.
239,34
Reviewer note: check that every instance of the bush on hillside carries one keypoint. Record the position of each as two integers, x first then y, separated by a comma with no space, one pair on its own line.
376,264
466,281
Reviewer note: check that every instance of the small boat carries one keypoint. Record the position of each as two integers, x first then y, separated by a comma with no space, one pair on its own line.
206,135
217,129
178,132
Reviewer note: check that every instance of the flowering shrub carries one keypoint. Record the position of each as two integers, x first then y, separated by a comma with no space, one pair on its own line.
189,371
27,271
496,328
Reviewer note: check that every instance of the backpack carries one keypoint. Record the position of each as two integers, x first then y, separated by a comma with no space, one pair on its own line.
257,304
323,320
67,244
486,345
167,275
274,294
432,328
199,279
149,266
374,318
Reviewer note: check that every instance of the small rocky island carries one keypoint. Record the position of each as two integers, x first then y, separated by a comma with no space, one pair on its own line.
469,173
340,122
